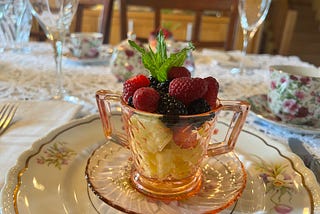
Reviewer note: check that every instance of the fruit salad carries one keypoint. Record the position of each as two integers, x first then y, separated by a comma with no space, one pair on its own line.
167,136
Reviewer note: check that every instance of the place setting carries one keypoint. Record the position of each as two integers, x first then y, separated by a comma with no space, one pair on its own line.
160,125
137,157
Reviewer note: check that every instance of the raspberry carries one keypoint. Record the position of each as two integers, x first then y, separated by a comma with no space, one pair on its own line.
187,89
212,92
146,99
132,84
176,72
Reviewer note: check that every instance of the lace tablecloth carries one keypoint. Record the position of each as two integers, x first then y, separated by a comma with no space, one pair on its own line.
30,76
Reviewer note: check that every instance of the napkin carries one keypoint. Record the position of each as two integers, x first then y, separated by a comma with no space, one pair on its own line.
32,121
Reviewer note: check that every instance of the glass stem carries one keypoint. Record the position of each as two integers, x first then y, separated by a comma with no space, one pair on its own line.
247,36
58,45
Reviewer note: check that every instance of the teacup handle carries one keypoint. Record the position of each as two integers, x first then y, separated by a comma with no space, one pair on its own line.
109,106
240,110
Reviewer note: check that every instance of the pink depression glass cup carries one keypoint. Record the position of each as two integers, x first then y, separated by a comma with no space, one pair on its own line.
167,150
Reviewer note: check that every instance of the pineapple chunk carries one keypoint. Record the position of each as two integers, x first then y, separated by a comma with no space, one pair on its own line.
150,133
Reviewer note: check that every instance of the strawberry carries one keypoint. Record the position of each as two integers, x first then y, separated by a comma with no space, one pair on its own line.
146,99
212,92
176,72
132,84
187,89
184,137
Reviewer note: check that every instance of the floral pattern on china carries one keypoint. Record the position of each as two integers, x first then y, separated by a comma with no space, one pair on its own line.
126,62
295,98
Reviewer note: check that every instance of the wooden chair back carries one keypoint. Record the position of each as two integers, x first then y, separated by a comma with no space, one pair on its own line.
105,25
198,7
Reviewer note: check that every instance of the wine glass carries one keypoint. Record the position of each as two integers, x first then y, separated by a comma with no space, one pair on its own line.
4,7
54,17
252,14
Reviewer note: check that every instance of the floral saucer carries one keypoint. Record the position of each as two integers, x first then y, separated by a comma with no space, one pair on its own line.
108,174
259,108
103,58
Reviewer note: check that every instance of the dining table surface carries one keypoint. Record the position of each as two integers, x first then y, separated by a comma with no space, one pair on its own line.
28,78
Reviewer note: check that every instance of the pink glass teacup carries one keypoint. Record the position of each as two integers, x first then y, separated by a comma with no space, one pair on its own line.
167,150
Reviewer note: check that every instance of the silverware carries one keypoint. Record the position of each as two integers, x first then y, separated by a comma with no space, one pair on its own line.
311,161
6,115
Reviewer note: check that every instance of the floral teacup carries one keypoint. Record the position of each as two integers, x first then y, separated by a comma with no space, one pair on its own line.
85,45
294,94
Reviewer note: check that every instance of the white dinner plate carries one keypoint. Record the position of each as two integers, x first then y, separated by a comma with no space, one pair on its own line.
50,177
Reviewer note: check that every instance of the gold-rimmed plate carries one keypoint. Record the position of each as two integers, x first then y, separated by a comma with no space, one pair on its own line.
50,177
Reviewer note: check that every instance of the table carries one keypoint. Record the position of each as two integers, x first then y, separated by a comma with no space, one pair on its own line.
30,76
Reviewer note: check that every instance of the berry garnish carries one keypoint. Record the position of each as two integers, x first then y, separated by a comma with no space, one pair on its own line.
161,87
132,84
212,92
146,99
198,106
187,89
176,72
170,106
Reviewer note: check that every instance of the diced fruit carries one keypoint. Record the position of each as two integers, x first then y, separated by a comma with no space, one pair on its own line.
212,92
132,84
187,89
176,72
146,99
185,137
150,132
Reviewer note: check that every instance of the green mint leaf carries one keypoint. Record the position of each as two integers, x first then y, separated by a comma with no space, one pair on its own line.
158,62
161,48
136,46
175,59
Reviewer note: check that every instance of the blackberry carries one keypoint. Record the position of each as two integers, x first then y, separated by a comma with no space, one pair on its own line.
198,106
161,87
130,101
168,105
153,82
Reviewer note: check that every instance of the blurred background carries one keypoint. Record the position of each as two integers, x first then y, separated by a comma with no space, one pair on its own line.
291,27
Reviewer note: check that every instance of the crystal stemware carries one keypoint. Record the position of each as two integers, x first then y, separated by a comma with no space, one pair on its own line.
252,14
4,5
54,17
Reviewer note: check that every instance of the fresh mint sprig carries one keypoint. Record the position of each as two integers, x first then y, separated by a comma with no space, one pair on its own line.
158,62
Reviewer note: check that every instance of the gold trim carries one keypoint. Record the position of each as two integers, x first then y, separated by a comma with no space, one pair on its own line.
23,170
292,166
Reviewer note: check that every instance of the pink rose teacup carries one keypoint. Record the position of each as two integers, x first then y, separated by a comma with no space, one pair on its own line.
85,45
294,94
